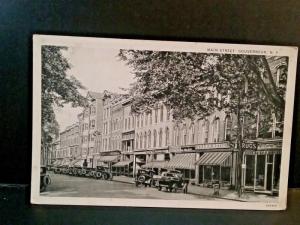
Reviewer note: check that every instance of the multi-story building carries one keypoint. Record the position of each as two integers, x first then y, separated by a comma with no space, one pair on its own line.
54,151
91,123
69,142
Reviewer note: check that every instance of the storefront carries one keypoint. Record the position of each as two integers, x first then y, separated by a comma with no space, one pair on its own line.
184,162
108,161
123,168
215,167
261,167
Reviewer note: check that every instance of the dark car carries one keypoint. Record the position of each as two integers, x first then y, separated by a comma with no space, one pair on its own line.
102,172
171,181
44,179
144,177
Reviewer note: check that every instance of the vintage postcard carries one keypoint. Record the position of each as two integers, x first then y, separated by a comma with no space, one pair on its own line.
120,122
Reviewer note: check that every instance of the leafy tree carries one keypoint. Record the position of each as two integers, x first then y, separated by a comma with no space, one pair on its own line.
58,89
194,85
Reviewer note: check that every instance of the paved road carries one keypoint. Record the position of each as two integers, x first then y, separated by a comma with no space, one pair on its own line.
69,186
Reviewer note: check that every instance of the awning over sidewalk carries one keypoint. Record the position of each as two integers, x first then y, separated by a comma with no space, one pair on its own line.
122,163
78,163
65,162
182,161
57,162
155,164
109,158
215,159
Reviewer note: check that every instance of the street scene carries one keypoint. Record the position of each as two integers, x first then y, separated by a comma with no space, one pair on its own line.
124,123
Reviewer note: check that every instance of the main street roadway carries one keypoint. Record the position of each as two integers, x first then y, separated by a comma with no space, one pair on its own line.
69,186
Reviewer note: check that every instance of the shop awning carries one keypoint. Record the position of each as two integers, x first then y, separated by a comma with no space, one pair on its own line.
103,164
109,158
182,161
215,159
78,163
65,162
155,164
122,163
57,162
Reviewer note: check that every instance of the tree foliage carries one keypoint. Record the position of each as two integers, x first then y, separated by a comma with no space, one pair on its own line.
58,89
196,84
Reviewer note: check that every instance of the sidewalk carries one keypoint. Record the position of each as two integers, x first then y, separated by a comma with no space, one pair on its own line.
208,192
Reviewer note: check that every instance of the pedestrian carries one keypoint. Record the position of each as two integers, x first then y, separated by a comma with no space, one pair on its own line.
185,186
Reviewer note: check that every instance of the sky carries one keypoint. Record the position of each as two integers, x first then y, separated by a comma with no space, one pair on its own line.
98,69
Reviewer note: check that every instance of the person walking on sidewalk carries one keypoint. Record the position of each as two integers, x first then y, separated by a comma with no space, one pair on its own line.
185,186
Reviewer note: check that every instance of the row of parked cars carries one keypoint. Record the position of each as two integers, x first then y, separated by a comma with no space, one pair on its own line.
99,172
171,180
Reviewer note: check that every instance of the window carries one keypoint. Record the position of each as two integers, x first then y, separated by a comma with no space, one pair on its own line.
93,110
216,130
142,120
176,132
168,113
167,136
192,129
93,123
184,132
161,113
160,138
149,139
154,138
155,115
137,121
150,114
141,140
125,124
146,119
137,142
86,126
228,127
205,131
128,123
145,140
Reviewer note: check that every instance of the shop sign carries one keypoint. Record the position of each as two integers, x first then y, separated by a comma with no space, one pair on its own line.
212,146
249,146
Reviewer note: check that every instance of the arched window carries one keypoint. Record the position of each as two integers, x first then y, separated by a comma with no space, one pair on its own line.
125,124
150,117
160,138
228,127
205,127
154,138
167,136
141,140
146,119
177,136
184,133
155,115
192,131
137,142
142,120
161,113
168,113
137,121
145,140
216,130
149,139
128,123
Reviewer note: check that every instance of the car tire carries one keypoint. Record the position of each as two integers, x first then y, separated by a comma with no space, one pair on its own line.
46,180
104,176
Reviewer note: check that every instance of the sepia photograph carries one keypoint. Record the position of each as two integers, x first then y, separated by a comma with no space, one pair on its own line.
120,122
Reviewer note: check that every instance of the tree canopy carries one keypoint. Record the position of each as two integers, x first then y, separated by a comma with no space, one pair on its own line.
58,89
195,84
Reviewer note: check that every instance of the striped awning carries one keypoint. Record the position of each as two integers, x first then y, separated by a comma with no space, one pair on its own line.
78,163
65,162
215,159
155,164
123,163
109,158
57,162
182,161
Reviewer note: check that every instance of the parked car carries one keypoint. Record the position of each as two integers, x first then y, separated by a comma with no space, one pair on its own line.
145,177
171,181
102,172
44,179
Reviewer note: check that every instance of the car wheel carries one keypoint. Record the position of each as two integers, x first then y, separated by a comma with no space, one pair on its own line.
46,180
105,176
98,175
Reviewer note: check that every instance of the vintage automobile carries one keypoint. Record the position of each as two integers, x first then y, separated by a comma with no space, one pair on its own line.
44,179
171,181
145,177
102,172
